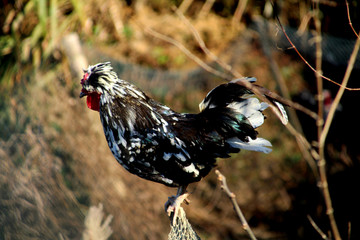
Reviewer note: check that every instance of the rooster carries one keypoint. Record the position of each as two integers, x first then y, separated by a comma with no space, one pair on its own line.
156,143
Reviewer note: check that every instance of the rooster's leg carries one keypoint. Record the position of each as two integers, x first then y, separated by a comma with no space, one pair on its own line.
174,202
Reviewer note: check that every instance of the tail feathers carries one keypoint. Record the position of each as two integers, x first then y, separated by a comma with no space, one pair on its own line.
238,99
258,145
234,113
224,94
251,108
283,115
273,98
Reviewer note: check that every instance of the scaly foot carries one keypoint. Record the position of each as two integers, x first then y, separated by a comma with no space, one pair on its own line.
174,202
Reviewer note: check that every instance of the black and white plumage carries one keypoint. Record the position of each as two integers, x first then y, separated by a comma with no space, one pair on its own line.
156,143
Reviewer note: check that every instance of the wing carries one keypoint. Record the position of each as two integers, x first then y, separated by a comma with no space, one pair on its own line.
170,151
154,142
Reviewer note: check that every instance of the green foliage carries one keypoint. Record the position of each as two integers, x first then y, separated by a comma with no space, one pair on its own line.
160,56
56,127
180,59
31,31
128,32
7,43
293,159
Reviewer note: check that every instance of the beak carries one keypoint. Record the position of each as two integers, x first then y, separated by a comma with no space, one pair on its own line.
83,93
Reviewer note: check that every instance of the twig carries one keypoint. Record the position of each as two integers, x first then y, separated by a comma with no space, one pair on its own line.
187,52
275,70
324,133
323,130
336,101
321,148
318,67
232,197
213,71
115,8
206,8
258,91
307,151
261,92
316,227
306,62
239,11
320,123
185,5
349,18
320,131
203,47
304,23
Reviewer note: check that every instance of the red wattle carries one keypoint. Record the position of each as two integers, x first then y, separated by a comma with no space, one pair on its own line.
93,101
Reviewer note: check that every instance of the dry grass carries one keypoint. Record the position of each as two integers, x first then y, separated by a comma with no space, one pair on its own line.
95,227
34,202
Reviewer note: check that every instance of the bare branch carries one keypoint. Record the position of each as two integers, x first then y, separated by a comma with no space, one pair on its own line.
308,152
185,5
236,74
260,91
187,52
307,63
325,131
318,72
316,227
208,68
232,197
349,18
322,162
336,101
203,47
206,8
239,11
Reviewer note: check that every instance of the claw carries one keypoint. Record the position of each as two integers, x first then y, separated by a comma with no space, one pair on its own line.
174,203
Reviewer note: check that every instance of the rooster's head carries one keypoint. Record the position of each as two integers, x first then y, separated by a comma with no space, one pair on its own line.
97,80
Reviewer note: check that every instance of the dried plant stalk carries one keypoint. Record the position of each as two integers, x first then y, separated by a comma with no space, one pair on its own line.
232,197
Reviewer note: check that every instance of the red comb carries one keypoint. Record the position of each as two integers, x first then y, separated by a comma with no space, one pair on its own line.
84,78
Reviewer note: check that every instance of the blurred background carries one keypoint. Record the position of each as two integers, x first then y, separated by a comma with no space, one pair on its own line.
55,163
